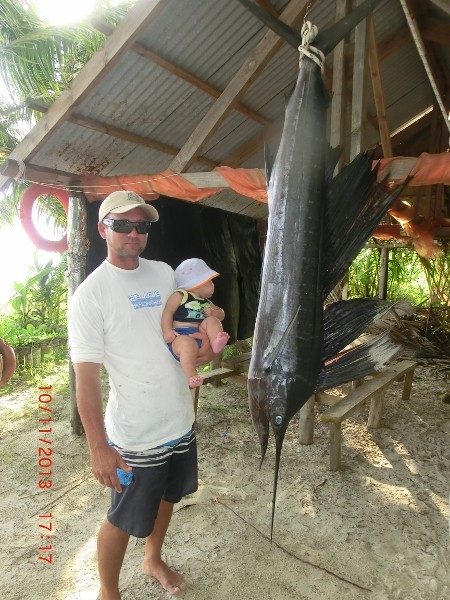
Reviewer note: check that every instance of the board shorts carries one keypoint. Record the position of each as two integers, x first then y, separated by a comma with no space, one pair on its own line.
171,472
184,331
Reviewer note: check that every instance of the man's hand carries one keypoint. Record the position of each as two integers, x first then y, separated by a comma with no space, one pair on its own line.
205,352
104,462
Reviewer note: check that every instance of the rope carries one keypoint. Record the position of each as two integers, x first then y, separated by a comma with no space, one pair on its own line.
21,172
309,32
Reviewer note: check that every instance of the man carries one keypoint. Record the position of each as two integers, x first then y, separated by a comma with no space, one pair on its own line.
115,320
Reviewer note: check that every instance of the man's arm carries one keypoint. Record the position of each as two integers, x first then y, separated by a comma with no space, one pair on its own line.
104,458
171,306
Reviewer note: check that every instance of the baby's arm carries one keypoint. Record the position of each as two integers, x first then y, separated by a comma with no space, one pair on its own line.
215,311
172,304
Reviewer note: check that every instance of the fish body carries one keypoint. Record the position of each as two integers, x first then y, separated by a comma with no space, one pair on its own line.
287,343
317,224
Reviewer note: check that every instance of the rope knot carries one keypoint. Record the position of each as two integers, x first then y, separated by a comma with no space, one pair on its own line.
309,32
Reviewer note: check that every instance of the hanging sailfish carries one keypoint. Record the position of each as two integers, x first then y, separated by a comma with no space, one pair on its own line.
317,225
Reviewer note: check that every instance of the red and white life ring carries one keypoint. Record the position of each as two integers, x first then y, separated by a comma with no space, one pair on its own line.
7,362
26,216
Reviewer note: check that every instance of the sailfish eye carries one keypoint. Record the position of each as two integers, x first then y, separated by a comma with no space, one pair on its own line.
278,419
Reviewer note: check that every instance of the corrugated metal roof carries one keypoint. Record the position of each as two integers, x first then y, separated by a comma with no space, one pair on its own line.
211,40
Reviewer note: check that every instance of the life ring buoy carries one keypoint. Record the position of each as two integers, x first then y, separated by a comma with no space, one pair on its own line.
26,216
7,363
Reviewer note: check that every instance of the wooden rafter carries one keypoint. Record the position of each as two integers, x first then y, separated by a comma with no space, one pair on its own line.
443,5
124,36
412,24
119,133
337,124
192,79
378,90
249,70
358,107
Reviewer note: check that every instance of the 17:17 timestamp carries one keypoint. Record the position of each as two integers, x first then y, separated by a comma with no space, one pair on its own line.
46,528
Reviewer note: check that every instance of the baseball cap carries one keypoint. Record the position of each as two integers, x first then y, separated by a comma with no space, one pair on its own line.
123,201
192,273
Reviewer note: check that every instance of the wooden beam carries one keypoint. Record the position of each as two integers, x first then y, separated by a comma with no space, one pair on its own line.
37,174
250,69
337,119
117,132
443,5
134,138
412,24
358,108
124,36
398,170
378,90
192,79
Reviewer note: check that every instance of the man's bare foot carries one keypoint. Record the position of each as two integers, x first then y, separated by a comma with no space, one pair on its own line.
172,581
220,342
195,381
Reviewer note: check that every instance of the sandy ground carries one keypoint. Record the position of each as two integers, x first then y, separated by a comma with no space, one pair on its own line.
378,529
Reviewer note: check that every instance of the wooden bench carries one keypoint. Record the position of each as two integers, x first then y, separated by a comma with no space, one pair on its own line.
210,377
372,389
233,368
239,364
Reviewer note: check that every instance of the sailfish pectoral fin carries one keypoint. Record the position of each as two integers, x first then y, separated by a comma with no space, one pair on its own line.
258,412
274,352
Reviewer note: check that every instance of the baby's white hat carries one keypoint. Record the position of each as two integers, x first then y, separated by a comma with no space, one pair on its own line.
192,273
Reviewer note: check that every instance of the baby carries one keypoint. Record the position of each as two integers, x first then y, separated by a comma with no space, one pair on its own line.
189,310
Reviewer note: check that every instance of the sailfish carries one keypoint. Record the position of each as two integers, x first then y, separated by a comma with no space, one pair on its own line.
317,225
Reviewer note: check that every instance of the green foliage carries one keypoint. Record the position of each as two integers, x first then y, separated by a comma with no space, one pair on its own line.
407,279
37,311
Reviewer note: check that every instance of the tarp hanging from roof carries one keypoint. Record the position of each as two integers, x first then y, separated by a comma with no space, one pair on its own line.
427,169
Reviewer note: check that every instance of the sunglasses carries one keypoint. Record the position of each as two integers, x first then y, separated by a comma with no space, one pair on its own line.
125,226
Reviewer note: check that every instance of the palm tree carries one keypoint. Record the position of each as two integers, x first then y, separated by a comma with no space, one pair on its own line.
38,61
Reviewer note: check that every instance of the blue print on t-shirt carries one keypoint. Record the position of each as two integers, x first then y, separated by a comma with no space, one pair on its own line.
146,300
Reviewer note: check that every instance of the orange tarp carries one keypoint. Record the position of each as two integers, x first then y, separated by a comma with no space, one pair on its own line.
149,187
427,169
248,182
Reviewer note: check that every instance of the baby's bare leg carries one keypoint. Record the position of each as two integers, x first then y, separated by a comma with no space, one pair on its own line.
186,349
214,330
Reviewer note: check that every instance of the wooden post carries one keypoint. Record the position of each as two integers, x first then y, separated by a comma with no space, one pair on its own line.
375,410
335,446
359,90
407,385
306,422
337,123
382,288
76,267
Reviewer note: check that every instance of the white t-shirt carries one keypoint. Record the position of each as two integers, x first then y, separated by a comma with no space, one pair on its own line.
115,318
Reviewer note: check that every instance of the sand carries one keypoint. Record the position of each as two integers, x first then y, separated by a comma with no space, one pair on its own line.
377,529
